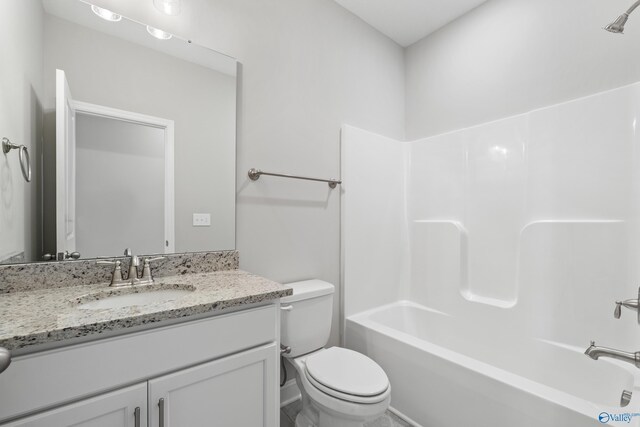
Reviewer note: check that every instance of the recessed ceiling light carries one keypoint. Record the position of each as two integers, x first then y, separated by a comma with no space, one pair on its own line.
159,34
168,7
106,14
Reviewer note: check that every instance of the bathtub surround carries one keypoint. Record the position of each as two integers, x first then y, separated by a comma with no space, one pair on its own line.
37,276
529,221
373,165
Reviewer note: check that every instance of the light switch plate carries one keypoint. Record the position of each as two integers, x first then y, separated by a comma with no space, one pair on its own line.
201,220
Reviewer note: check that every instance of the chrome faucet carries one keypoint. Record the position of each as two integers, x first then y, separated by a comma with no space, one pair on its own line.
134,263
116,276
133,266
595,352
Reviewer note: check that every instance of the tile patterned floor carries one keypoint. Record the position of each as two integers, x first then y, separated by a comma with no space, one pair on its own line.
289,412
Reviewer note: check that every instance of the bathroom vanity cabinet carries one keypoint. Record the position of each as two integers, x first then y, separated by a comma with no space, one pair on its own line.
220,370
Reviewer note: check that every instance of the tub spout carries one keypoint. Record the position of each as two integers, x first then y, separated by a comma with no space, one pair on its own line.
595,352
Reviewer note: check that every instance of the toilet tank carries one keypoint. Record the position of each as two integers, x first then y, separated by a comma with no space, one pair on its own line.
306,316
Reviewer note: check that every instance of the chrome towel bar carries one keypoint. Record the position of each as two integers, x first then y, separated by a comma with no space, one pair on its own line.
23,154
255,174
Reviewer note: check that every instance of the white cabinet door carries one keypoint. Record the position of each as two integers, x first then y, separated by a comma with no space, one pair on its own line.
122,408
235,391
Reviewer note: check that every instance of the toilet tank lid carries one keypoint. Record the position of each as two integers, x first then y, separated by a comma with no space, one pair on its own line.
307,289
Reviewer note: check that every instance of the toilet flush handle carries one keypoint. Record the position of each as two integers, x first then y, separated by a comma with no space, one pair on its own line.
286,307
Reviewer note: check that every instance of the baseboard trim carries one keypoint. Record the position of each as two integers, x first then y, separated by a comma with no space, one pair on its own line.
403,416
289,392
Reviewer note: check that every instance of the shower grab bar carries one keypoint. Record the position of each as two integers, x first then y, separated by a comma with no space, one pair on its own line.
23,155
254,175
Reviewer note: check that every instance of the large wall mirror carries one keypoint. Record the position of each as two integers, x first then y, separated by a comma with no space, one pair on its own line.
130,131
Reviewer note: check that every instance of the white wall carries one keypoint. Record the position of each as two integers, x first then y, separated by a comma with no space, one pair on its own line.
511,56
129,210
308,66
21,44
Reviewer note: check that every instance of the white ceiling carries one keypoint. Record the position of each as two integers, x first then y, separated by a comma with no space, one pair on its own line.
407,21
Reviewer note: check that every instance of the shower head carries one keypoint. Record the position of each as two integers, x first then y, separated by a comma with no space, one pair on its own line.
617,26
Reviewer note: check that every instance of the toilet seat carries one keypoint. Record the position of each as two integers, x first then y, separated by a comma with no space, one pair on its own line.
331,403
343,396
347,375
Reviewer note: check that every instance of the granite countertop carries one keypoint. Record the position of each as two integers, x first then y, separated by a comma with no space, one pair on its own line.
43,316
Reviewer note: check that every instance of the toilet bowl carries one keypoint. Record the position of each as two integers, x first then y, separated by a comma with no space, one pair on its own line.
339,387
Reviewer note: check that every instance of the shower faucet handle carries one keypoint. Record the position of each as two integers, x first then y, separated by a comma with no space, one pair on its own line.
631,304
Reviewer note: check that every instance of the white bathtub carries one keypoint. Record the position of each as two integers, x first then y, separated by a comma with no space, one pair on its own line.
447,374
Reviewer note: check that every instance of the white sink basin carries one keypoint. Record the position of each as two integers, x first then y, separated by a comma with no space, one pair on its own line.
157,296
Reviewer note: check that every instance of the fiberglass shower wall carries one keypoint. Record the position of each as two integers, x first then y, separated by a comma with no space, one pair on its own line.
530,221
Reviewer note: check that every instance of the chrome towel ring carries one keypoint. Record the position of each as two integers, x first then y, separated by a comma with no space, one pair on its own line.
23,155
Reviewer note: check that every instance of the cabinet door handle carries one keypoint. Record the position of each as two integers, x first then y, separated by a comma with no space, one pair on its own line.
136,417
161,412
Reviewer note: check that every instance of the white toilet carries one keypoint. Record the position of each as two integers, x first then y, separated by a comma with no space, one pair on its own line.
339,387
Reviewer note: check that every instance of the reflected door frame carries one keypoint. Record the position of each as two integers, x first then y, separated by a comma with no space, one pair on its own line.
88,109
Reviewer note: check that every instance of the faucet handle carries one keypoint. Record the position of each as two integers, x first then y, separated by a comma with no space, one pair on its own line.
146,268
116,277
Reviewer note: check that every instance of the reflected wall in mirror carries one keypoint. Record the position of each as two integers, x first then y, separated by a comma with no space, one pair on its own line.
132,137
